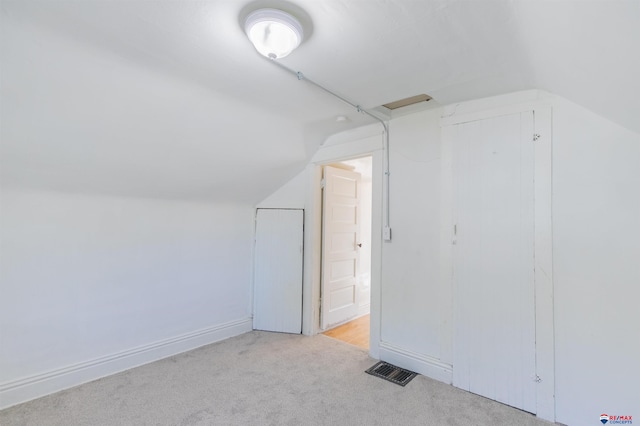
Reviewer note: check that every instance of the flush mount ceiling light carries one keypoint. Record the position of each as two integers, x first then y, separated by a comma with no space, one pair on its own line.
274,33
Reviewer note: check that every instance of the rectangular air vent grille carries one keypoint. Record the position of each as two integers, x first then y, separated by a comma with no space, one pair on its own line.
390,372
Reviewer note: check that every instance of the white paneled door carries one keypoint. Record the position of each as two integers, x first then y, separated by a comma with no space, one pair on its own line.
494,315
278,271
340,245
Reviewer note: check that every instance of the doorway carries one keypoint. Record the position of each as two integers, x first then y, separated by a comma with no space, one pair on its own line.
346,251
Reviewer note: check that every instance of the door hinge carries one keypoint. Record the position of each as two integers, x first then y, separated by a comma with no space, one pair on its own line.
323,183
536,136
454,240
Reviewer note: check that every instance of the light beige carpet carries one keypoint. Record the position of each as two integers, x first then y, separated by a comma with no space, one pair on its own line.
263,378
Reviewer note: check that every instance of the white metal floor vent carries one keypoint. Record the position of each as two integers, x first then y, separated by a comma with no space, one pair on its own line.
390,372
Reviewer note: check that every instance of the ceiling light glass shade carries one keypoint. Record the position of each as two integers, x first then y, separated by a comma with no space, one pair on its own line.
274,33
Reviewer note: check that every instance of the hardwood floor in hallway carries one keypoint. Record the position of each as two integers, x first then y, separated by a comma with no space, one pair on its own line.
355,332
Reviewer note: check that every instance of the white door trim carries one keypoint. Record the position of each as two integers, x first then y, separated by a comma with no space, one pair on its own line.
543,263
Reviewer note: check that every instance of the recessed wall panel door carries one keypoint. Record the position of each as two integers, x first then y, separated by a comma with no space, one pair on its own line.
494,305
278,271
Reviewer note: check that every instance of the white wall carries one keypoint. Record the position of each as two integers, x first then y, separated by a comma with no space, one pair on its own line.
596,253
596,247
109,122
416,303
91,285
291,195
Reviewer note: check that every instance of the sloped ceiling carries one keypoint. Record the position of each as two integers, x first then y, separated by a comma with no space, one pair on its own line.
169,99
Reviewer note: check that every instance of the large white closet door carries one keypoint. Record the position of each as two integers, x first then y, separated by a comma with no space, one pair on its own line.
278,271
494,339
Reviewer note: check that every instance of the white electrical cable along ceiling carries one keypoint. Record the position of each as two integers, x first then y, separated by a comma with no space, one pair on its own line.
275,34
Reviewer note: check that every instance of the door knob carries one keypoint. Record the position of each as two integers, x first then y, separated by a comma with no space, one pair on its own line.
359,244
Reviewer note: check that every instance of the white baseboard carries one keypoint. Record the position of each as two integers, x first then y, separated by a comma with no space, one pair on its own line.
28,388
423,364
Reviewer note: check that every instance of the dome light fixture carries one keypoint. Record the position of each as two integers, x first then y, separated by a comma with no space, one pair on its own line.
273,32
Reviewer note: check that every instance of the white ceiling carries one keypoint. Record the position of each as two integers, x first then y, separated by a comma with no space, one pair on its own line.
169,99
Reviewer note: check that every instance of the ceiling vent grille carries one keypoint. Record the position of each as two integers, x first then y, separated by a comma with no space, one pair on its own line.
407,101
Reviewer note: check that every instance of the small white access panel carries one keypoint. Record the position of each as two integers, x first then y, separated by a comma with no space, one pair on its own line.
278,271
